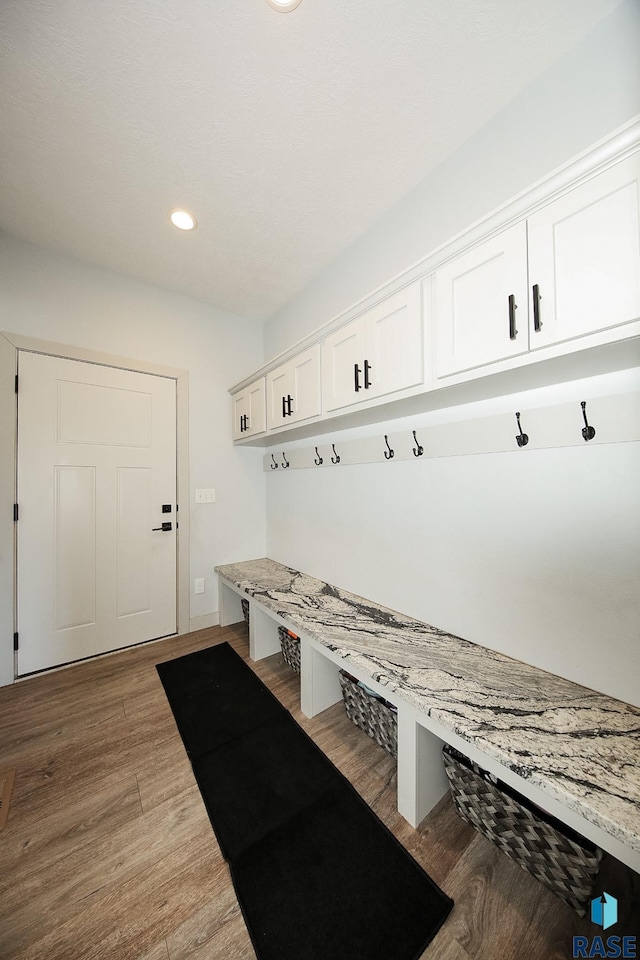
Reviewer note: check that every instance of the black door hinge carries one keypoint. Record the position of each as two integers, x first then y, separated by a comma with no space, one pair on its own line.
15,513
15,641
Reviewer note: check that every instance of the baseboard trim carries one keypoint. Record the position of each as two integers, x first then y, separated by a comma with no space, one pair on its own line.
201,623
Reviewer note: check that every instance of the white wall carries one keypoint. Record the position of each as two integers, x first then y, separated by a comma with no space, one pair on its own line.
532,553
582,98
54,297
536,556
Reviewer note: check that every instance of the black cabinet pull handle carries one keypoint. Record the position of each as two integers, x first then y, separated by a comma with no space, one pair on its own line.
367,368
289,405
537,322
356,376
513,306
284,407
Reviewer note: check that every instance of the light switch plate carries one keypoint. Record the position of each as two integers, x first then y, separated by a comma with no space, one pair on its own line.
207,495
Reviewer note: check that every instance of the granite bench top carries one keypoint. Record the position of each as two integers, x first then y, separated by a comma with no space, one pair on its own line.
579,746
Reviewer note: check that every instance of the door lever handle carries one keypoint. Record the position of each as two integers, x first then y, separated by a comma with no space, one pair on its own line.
166,526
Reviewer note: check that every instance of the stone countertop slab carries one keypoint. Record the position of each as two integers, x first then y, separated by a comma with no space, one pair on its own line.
579,746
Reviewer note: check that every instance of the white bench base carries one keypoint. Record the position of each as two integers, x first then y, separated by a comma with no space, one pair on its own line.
422,780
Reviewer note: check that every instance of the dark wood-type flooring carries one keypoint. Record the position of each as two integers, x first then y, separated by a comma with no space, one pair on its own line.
108,851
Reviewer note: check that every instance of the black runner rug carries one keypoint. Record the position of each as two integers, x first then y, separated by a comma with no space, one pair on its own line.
318,876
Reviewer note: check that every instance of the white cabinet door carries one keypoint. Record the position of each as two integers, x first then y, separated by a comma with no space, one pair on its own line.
584,257
240,411
379,353
481,304
394,348
306,390
249,411
293,390
257,422
343,359
279,397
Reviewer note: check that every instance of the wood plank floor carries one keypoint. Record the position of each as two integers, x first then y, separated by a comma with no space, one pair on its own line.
108,851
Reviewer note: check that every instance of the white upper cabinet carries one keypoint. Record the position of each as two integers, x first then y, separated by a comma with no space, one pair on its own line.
584,257
249,412
376,354
293,390
480,304
570,270
554,272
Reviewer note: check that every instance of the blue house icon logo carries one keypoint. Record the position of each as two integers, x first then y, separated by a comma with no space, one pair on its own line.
604,911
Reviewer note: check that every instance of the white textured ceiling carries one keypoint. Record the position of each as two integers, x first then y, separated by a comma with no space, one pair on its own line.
287,134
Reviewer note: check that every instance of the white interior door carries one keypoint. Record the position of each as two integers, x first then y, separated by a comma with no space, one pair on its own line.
96,479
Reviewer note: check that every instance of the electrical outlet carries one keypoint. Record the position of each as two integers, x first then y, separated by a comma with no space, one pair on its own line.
198,585
207,495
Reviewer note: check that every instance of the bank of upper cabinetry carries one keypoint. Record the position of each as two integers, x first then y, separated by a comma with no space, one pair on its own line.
554,273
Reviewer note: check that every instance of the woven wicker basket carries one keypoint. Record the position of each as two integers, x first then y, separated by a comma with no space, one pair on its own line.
553,853
245,610
370,713
290,645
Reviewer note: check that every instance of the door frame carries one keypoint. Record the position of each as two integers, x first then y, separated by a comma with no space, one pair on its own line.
10,345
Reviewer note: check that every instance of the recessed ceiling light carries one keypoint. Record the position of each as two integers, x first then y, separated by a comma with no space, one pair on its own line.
284,6
183,220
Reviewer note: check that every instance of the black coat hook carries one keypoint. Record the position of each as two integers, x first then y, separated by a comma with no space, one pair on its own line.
318,459
587,432
335,458
388,453
418,450
522,439
274,465
285,462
